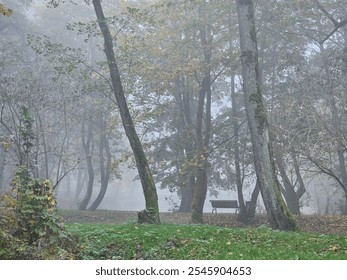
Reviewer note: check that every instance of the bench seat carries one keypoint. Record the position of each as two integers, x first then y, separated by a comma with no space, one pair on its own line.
233,204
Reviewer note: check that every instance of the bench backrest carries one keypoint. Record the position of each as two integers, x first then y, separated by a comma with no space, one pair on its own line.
224,203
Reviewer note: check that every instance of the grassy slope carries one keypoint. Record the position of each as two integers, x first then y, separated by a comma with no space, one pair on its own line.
178,242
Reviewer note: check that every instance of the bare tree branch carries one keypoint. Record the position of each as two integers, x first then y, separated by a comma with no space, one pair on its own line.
327,171
325,12
337,24
66,173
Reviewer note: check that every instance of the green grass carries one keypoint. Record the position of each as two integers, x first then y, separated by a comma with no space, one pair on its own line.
184,242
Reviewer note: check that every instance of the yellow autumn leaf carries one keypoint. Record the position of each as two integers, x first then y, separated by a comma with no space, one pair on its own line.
5,11
334,248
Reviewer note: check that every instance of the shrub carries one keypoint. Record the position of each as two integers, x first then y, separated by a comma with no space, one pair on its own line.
30,225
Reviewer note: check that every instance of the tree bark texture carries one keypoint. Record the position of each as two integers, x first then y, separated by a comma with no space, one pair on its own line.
278,213
148,185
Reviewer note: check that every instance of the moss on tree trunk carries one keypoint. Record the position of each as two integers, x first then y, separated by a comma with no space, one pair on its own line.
278,213
145,175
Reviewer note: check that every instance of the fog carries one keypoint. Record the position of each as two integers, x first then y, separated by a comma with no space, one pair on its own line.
52,64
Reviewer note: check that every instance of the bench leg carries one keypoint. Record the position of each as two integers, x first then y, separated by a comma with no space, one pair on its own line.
214,210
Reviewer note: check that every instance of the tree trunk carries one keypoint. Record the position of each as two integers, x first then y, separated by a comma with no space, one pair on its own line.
345,46
341,149
185,132
345,75
278,213
44,144
187,195
188,191
202,142
88,151
242,216
3,155
104,169
302,189
200,190
253,203
148,185
336,122
81,180
288,188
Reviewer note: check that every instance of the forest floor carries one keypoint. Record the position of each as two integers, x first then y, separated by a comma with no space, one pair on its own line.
308,223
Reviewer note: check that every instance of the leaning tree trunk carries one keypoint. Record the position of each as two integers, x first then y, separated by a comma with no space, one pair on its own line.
278,213
148,185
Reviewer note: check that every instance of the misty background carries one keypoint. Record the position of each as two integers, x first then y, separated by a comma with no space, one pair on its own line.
52,63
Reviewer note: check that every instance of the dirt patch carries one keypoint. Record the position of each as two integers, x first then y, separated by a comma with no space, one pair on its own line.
308,223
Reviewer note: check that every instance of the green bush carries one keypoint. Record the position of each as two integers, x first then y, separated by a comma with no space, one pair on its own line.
7,241
30,225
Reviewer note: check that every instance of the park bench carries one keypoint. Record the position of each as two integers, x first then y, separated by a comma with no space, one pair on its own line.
233,204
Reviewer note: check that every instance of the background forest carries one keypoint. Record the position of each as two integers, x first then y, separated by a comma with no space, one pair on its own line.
54,79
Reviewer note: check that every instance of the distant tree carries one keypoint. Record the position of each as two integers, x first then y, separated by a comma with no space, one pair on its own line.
87,142
203,137
105,162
